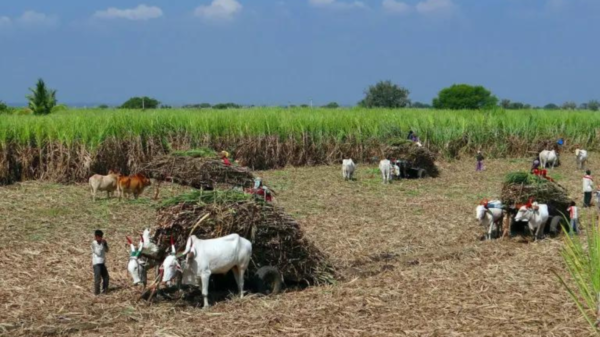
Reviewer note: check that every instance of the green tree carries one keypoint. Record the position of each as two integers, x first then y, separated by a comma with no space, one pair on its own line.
464,96
103,106
4,108
516,106
42,100
551,106
222,106
419,105
331,105
141,103
569,105
505,103
385,94
593,105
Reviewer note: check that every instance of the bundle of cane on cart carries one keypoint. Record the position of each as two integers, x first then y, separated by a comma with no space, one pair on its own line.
281,254
523,188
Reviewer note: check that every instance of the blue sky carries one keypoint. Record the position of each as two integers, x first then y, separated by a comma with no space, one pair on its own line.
280,51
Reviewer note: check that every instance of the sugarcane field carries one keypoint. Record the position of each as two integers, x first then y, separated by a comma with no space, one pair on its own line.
335,168
332,253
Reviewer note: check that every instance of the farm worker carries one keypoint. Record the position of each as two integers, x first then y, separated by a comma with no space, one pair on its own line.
560,142
535,166
410,135
574,215
224,155
480,159
99,250
588,187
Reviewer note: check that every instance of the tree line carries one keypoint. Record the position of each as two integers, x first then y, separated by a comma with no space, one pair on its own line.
383,94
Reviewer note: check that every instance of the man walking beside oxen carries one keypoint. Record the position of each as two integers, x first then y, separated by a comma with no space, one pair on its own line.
588,187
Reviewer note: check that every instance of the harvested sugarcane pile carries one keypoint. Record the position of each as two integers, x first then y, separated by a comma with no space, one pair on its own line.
520,187
277,239
198,172
417,156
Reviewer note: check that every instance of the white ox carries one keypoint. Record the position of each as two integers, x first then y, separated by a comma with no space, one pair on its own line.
489,218
536,218
137,267
106,183
385,166
207,257
548,157
134,267
348,168
581,156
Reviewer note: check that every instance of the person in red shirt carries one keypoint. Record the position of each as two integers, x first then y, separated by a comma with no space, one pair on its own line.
224,158
574,215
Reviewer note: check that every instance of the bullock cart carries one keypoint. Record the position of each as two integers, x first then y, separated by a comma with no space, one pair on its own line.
281,254
519,188
414,161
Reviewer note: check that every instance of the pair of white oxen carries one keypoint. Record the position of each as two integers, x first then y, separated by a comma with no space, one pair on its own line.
385,166
549,157
536,216
202,259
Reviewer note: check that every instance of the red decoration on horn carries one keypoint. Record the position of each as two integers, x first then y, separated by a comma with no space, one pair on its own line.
172,242
129,240
142,238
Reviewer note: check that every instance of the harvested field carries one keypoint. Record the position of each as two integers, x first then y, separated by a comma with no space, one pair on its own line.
408,253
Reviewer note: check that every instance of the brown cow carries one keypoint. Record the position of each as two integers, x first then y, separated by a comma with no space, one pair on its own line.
133,185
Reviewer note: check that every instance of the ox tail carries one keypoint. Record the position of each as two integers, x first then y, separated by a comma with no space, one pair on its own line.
188,246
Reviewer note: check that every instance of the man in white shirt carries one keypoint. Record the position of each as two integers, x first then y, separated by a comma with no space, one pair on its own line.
588,187
99,250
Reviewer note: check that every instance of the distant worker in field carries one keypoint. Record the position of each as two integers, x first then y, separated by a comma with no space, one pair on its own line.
574,215
535,165
225,158
588,187
480,159
410,135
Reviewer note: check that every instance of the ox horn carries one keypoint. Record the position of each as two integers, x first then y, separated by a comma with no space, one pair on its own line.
130,244
172,246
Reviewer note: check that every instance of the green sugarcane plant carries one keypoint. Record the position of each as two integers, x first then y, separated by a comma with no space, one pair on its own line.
582,260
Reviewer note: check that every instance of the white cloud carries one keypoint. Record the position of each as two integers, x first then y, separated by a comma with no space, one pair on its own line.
435,7
219,10
5,21
33,18
335,4
139,13
395,7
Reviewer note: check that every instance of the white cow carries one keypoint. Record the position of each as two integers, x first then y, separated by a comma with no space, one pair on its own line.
148,247
214,256
134,267
488,218
548,157
348,168
581,156
537,217
106,183
385,166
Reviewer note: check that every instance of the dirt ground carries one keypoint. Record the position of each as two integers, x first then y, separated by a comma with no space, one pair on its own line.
408,253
